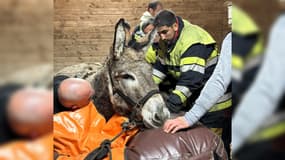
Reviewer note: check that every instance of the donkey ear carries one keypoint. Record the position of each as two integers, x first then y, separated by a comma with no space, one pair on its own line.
119,38
151,38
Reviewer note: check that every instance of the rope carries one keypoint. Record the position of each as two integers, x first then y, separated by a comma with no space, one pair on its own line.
105,146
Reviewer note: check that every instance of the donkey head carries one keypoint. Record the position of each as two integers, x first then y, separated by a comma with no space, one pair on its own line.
133,92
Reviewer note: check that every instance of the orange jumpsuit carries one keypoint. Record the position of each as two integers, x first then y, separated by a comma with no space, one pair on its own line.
40,148
79,132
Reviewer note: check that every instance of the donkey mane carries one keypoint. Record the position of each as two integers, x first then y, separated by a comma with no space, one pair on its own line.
102,97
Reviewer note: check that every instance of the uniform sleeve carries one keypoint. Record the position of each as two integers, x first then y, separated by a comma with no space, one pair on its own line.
159,71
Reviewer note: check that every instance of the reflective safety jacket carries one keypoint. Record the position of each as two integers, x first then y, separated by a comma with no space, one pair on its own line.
78,133
154,50
247,43
190,61
40,148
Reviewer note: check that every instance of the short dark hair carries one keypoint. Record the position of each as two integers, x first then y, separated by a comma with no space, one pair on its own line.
153,5
164,18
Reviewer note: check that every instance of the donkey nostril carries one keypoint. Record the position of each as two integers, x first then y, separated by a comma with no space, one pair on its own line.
156,118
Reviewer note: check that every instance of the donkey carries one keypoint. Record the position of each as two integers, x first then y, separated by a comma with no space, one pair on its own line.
123,84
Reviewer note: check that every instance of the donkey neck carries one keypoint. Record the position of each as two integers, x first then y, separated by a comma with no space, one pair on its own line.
102,97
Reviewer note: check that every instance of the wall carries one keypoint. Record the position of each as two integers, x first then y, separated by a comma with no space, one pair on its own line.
83,29
26,34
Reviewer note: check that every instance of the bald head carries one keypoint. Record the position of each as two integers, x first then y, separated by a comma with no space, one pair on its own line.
30,112
75,93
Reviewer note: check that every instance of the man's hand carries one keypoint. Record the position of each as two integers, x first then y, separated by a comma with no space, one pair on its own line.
173,103
173,125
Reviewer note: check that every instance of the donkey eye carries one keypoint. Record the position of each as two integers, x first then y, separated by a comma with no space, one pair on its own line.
127,76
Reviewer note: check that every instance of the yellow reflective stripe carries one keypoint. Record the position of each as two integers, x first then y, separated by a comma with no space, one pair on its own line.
237,61
257,48
192,60
180,94
177,74
174,74
212,62
137,37
156,79
213,54
269,133
221,106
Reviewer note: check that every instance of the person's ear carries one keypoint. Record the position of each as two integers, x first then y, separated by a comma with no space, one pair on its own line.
175,27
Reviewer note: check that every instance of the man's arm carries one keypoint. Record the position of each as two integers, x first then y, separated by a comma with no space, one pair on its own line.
192,70
159,71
